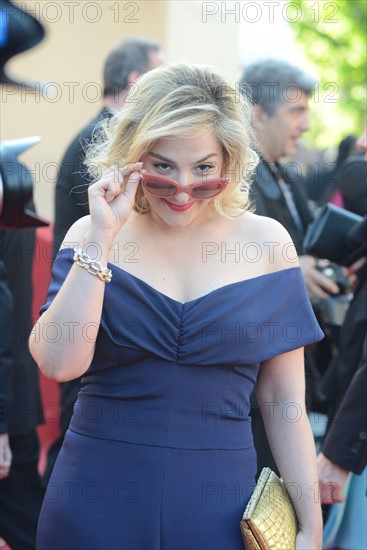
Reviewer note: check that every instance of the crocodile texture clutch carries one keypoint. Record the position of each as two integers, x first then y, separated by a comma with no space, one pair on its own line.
269,521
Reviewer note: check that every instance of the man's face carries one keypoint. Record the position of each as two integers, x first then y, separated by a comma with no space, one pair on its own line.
280,133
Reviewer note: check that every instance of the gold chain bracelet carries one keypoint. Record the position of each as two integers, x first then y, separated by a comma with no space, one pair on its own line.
92,266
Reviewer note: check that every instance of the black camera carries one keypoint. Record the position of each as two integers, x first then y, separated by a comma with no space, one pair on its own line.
333,309
336,234
339,236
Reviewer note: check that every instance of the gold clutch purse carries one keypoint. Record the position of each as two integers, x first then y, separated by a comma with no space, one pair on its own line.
269,521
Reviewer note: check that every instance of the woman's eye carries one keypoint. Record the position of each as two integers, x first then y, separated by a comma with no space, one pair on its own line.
162,166
206,168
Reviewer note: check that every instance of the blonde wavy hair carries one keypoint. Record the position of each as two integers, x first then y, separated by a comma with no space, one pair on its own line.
181,101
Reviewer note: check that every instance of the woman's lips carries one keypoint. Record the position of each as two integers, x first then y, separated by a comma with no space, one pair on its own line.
179,207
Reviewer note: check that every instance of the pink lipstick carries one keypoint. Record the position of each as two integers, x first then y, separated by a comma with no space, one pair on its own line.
179,207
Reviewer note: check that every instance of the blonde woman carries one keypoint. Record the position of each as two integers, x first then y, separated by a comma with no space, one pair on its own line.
172,300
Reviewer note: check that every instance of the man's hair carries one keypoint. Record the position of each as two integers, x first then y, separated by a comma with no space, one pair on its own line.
272,82
130,55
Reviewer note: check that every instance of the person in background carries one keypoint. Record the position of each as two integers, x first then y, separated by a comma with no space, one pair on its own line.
323,182
123,66
21,492
353,184
345,447
279,93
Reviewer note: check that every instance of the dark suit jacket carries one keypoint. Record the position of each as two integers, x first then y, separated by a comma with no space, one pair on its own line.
352,334
21,398
353,184
6,342
346,441
269,201
71,197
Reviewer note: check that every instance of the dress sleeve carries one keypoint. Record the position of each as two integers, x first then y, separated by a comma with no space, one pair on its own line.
250,322
60,269
290,312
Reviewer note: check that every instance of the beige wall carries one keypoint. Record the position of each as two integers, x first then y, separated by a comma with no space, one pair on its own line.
194,35
68,64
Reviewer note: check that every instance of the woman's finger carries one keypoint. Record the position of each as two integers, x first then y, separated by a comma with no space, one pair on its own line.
132,185
112,186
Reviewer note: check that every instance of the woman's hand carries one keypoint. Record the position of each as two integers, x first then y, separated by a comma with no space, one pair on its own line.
109,206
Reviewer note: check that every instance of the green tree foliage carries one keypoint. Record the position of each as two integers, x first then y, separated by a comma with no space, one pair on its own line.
332,35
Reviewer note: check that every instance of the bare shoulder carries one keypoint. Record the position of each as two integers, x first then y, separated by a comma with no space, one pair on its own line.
265,228
76,234
272,238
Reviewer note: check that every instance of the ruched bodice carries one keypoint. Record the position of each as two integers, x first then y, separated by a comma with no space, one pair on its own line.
181,374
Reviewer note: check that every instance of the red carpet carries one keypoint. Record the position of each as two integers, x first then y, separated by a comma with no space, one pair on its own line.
49,389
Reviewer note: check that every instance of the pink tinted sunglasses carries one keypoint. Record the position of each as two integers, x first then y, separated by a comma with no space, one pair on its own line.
160,186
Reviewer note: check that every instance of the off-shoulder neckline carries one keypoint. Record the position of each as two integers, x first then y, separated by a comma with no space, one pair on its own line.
114,267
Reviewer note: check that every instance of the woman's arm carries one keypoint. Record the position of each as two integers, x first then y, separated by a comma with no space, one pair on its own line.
62,341
281,396
75,314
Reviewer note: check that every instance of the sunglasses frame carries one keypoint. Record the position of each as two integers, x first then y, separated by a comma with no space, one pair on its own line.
224,182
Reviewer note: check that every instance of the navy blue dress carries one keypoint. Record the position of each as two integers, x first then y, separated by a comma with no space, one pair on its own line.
159,453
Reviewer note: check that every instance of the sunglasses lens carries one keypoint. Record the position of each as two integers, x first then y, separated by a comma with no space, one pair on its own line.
207,191
160,188
163,187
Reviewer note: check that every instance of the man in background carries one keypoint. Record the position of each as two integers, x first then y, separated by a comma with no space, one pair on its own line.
21,411
279,93
123,66
344,449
